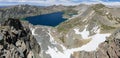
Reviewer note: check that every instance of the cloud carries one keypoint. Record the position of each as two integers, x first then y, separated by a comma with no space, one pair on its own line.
57,2
38,2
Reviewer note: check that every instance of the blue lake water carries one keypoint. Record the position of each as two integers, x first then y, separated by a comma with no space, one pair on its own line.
52,19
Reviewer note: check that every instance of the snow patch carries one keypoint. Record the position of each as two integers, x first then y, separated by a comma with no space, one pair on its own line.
52,39
96,39
33,30
84,33
95,29
107,13
94,43
56,54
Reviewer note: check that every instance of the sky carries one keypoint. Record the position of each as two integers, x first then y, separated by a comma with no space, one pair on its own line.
57,2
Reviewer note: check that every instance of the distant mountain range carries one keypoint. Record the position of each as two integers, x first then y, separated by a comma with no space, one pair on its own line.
22,11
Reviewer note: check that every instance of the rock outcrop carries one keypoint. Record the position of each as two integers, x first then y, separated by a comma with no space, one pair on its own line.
16,41
108,49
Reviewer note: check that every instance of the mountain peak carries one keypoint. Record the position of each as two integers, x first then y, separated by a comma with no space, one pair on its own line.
15,23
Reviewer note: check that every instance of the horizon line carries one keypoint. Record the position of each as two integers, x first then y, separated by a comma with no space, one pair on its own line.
65,4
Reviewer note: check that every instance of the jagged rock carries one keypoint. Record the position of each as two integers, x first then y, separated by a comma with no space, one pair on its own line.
17,41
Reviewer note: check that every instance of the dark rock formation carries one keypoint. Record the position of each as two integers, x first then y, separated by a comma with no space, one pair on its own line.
17,41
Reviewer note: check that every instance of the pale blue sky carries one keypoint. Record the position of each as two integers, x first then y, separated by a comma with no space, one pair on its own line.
57,2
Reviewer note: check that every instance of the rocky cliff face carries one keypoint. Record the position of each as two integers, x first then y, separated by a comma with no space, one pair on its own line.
16,41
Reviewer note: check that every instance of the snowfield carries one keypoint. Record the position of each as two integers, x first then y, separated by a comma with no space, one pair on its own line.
84,33
90,46
96,39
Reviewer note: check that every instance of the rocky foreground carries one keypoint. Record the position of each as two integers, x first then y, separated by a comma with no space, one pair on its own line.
16,41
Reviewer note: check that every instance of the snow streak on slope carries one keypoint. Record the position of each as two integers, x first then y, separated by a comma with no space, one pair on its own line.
52,39
95,29
33,30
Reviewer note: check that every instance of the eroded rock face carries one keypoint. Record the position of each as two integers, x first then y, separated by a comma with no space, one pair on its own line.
108,49
17,41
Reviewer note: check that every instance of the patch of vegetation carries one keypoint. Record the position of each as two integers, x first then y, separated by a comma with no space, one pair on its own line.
98,8
86,41
23,19
105,27
67,25
69,12
82,42
62,39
